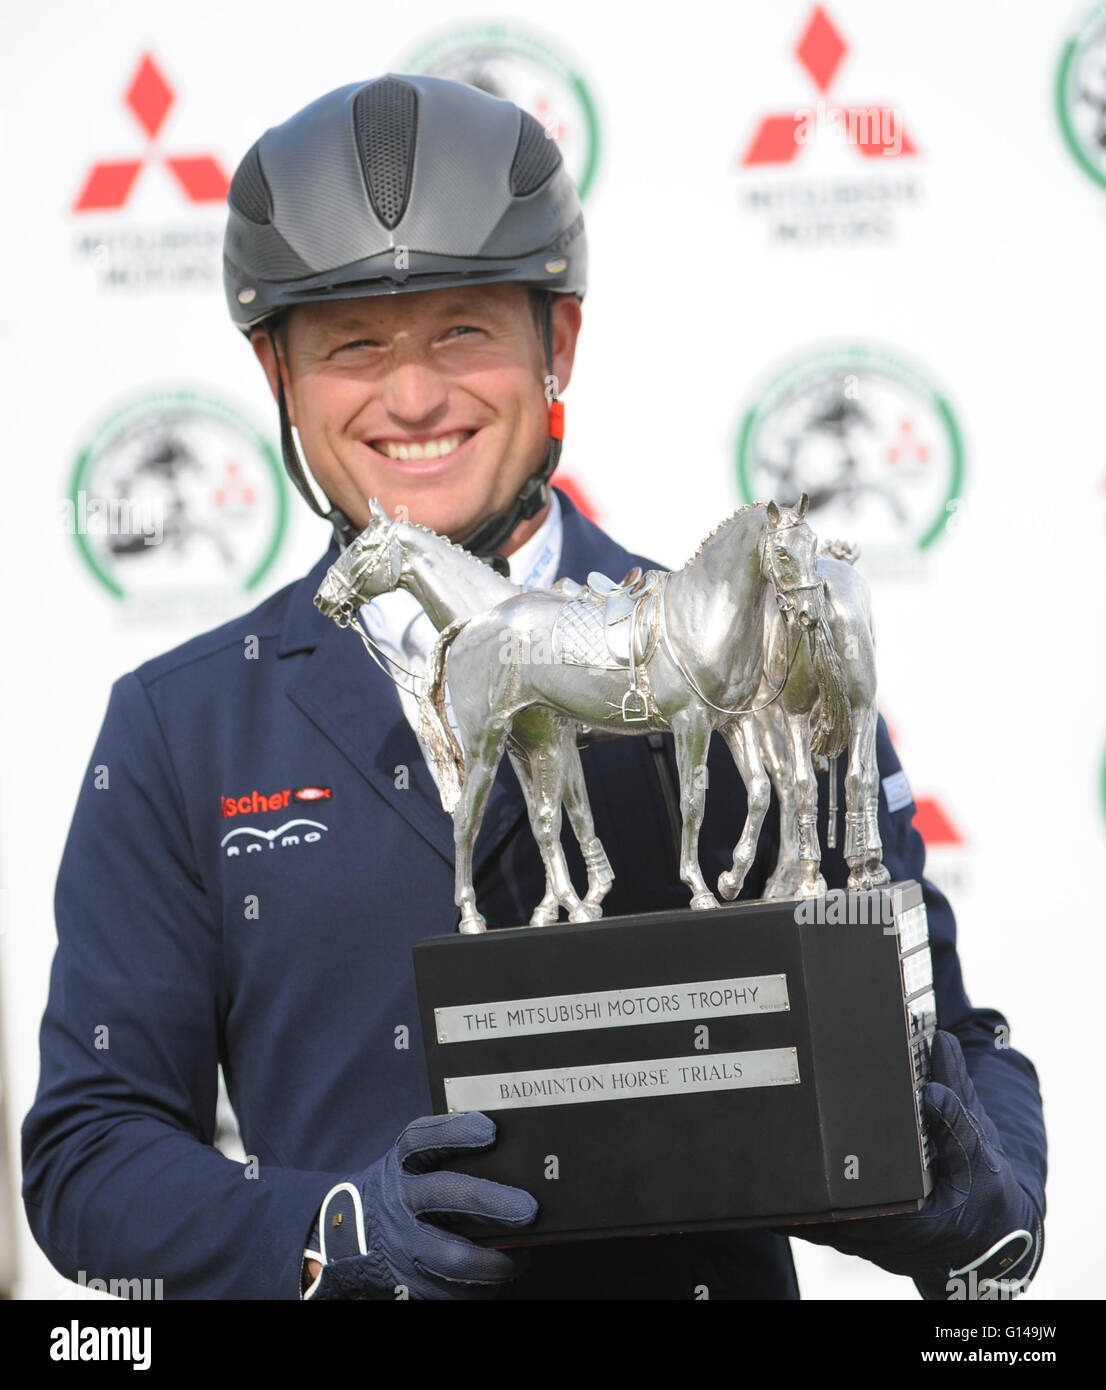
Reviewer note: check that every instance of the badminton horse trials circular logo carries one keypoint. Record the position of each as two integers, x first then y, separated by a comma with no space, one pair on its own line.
873,444
1081,95
507,62
176,494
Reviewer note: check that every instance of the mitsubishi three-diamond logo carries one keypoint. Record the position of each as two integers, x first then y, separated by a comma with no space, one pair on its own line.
873,130
109,183
831,197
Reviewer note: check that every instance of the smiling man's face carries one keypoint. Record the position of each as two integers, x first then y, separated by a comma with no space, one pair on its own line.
433,401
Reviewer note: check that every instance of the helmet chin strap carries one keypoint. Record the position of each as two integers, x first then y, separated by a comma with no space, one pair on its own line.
344,529
494,531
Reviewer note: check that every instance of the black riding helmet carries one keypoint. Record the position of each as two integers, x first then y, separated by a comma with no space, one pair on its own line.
401,184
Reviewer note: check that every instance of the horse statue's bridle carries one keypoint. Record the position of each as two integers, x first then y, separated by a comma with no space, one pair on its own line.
786,604
787,607
345,611
362,560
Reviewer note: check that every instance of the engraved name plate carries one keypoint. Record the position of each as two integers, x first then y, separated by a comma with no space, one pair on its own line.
657,1076
612,1008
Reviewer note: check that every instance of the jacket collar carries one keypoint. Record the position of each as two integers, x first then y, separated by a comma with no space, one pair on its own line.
342,691
304,626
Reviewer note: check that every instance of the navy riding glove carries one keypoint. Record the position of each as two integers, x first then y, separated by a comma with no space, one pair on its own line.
979,1234
375,1236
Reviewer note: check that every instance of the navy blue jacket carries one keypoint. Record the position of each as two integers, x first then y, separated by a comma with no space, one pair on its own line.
287,958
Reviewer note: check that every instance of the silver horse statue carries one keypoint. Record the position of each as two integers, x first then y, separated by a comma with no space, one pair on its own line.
683,651
451,584
844,637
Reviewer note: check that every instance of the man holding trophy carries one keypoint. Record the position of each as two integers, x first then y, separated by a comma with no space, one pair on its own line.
407,257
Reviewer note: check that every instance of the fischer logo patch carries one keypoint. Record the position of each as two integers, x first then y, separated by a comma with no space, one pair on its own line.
255,802
311,794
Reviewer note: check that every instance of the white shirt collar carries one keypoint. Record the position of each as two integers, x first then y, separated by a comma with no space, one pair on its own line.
392,619
534,563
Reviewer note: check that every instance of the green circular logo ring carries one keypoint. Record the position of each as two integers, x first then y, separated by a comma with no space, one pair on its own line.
526,45
1065,76
856,357
1102,782
197,404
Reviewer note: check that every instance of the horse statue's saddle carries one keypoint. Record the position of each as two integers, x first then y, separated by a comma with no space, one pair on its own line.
602,617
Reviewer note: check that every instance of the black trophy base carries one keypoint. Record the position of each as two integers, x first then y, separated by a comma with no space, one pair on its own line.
747,1066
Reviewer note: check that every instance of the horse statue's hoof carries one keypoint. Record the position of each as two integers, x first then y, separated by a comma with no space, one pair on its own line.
472,926
701,901
599,891
545,912
586,912
784,883
729,885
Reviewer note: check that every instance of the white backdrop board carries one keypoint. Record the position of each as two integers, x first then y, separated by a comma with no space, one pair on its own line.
851,248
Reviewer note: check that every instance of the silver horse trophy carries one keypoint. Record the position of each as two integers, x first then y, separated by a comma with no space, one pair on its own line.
745,640
452,585
790,752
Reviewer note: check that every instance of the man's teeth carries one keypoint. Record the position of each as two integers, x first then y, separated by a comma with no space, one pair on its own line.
429,449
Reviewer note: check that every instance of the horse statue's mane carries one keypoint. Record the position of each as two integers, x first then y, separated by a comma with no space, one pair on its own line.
437,535
714,534
722,525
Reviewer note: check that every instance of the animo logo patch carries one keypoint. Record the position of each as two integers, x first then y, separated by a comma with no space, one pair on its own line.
251,839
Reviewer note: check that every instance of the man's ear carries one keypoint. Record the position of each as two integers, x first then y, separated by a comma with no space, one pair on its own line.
262,345
567,317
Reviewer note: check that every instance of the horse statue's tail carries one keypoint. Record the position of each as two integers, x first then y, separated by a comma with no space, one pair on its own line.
848,551
434,729
830,731
831,714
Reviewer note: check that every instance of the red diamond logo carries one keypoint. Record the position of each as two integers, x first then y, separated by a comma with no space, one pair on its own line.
933,825
149,96
873,148
109,183
774,141
200,177
821,48
107,186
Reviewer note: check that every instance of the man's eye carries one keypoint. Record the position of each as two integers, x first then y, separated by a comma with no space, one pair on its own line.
465,328
357,343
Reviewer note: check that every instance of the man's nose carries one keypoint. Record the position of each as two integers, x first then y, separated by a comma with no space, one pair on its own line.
414,392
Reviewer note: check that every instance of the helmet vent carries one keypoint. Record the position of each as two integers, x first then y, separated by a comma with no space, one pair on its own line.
384,119
537,155
249,190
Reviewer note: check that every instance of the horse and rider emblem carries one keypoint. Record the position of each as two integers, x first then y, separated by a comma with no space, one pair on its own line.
762,637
